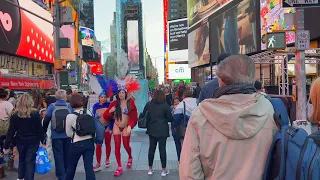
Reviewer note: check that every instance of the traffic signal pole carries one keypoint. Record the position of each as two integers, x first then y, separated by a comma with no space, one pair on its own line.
57,23
300,72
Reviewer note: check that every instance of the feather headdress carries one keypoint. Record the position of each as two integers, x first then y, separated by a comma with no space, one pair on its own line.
128,84
101,85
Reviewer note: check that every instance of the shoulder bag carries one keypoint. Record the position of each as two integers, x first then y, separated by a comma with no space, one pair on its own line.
142,122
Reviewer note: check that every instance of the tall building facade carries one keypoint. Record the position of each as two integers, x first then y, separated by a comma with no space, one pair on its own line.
177,9
130,10
87,8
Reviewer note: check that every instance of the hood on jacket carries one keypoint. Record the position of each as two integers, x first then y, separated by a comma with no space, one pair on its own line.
237,116
191,104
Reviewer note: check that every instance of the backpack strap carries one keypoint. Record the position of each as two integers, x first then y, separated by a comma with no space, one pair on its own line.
281,110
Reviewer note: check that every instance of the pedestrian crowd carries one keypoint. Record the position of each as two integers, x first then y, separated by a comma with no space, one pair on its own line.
223,130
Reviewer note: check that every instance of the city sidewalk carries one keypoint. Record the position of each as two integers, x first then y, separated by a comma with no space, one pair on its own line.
140,146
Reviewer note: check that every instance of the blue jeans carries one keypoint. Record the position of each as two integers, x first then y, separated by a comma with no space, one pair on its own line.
27,161
61,148
86,150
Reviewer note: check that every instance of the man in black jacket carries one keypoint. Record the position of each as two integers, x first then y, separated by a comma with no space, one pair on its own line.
209,88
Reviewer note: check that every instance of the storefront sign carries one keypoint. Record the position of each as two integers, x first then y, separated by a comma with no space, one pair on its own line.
179,71
96,68
13,63
15,83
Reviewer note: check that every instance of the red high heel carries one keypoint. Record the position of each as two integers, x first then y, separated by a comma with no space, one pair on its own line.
118,172
129,164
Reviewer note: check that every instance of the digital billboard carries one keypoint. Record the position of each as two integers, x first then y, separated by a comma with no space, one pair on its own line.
87,36
234,31
133,44
67,31
272,18
179,71
199,10
178,40
24,34
198,46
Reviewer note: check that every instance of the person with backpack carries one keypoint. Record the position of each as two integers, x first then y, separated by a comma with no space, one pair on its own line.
182,114
229,136
56,114
81,128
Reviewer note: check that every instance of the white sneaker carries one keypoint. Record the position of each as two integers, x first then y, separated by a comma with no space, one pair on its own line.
164,173
150,172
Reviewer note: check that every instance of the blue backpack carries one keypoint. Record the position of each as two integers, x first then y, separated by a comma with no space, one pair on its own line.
293,154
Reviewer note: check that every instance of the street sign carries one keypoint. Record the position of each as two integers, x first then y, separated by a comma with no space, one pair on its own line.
300,3
302,39
276,40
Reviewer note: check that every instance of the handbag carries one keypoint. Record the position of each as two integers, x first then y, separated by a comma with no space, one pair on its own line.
182,127
142,122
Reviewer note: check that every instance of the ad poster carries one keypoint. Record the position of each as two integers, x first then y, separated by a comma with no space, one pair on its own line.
178,35
133,45
178,40
199,10
179,71
87,36
198,43
233,31
24,34
272,18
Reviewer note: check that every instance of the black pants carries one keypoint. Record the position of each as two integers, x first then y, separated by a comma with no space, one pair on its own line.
162,150
85,149
27,160
177,142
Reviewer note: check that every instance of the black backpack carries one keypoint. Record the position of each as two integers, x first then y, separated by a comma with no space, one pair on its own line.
59,115
85,125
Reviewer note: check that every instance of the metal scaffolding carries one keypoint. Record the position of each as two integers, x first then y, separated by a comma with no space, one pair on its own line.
282,59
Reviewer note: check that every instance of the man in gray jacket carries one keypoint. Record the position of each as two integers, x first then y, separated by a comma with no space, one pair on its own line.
209,88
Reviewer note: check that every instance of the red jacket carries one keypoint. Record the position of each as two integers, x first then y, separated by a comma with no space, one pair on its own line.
133,113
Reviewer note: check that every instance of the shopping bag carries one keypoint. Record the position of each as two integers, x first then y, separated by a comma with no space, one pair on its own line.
42,161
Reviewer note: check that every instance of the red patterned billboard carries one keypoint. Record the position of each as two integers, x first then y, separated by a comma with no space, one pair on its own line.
24,34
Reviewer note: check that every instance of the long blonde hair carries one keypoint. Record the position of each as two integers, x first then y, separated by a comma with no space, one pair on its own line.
315,100
24,106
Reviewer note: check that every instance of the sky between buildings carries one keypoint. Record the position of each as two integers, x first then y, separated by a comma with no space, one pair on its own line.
153,19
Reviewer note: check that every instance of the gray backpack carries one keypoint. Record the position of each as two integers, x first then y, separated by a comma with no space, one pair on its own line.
59,115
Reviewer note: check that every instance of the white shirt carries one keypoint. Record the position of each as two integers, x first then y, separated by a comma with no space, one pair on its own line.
71,124
5,110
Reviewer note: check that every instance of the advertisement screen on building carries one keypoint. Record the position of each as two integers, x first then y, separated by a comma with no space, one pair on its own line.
272,18
87,36
133,44
179,71
199,10
198,46
24,34
178,31
178,40
234,37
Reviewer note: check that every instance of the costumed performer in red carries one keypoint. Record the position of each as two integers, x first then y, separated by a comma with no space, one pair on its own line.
124,111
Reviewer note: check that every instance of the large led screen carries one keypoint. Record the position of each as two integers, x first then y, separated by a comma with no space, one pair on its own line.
179,71
133,44
234,31
272,18
199,10
178,40
87,36
198,43
24,34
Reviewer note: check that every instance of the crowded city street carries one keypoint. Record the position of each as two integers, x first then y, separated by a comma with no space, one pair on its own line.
159,90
